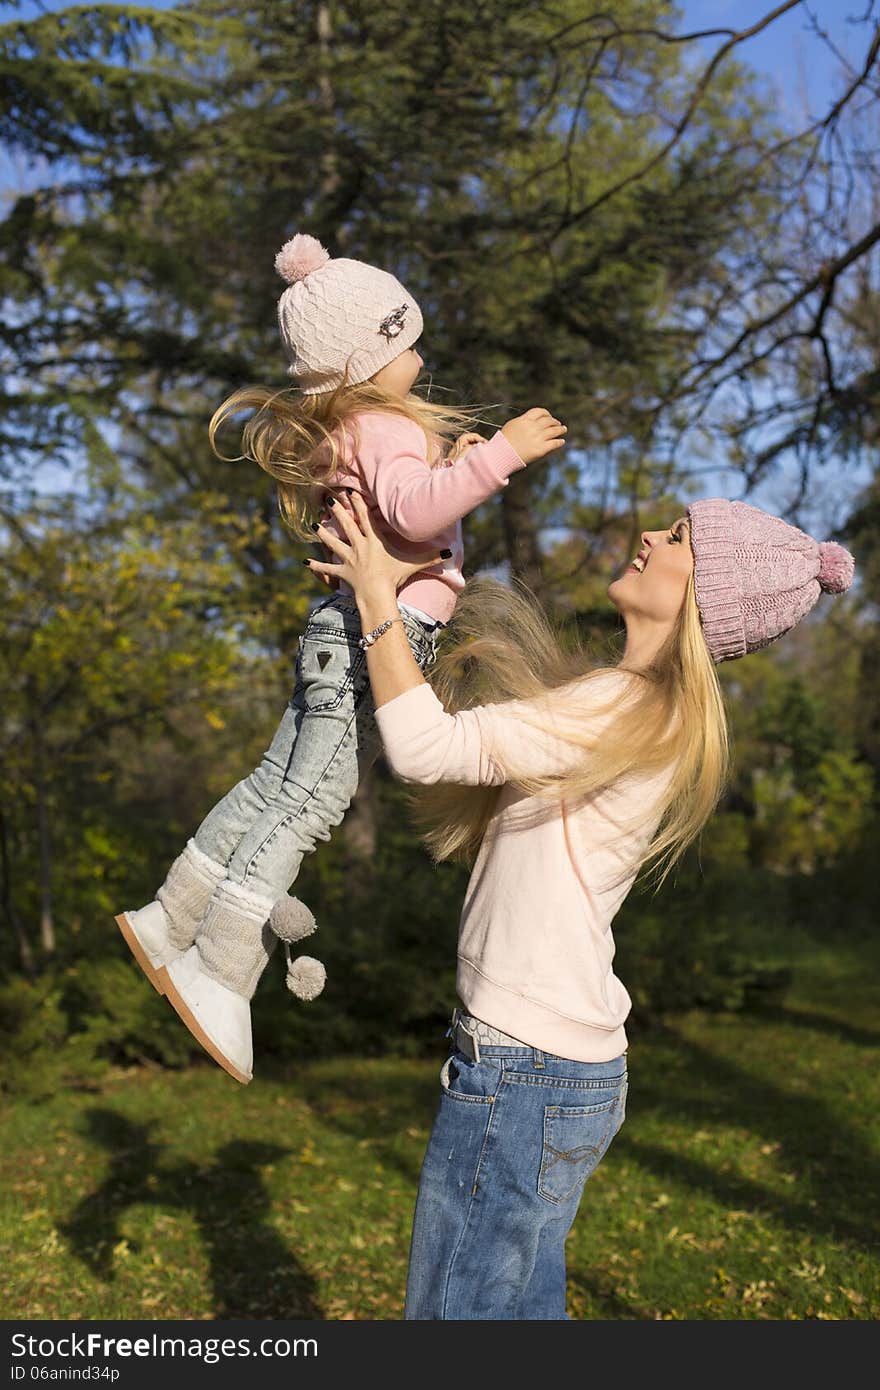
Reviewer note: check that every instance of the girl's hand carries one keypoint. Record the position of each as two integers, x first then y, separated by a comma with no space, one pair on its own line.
364,561
534,434
462,444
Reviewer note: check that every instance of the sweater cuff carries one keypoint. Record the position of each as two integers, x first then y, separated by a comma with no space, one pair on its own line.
408,715
496,459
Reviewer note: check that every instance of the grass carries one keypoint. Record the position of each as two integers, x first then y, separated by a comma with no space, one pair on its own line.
744,1183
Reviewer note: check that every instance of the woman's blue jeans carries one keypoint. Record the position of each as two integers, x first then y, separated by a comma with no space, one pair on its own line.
515,1138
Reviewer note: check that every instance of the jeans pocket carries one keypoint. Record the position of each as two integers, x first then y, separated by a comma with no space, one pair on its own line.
326,670
575,1138
463,1080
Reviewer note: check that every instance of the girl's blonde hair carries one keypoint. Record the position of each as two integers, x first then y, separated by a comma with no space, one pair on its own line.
298,439
500,646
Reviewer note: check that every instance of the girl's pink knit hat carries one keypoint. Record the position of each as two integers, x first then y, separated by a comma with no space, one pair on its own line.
755,576
338,313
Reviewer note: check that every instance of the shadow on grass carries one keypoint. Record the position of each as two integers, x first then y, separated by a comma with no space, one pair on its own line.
383,1112
252,1271
836,1173
820,1023
611,1305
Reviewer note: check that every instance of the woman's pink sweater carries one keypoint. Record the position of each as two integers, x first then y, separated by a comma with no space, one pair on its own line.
420,506
535,947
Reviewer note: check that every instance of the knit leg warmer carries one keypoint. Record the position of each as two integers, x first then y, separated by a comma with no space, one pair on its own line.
186,892
235,940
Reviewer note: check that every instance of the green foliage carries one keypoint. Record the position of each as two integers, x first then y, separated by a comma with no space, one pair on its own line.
39,1054
69,1027
714,940
799,829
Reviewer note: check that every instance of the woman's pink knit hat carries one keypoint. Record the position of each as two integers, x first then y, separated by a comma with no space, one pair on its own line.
338,313
755,575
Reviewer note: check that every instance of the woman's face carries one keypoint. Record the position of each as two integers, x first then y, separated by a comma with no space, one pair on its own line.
654,584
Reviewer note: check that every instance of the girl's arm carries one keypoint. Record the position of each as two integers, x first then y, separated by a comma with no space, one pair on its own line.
418,500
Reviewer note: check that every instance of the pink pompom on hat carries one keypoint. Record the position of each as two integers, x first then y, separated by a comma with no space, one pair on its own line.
338,313
755,575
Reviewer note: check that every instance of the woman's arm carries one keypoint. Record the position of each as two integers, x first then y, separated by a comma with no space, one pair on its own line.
375,575
390,662
488,745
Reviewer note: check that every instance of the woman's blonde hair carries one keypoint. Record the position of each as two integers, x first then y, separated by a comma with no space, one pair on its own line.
501,646
298,439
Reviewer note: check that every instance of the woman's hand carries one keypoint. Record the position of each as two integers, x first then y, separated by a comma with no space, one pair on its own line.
363,561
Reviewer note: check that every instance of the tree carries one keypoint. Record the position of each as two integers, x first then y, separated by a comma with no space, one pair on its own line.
108,625
588,216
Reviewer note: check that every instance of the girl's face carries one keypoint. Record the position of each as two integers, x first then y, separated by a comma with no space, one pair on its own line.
654,584
399,376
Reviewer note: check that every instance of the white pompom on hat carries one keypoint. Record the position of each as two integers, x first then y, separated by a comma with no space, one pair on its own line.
338,313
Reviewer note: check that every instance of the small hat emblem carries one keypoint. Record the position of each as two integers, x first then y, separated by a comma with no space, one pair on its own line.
393,324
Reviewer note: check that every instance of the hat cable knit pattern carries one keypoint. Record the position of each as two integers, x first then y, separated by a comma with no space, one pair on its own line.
755,575
337,313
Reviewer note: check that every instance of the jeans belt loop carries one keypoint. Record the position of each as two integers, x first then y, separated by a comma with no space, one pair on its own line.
462,1039
538,1058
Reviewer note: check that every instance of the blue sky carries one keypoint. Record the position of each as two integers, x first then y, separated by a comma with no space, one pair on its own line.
803,75
800,67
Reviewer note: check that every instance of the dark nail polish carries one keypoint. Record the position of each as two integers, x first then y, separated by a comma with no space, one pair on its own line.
350,491
445,554
307,562
314,525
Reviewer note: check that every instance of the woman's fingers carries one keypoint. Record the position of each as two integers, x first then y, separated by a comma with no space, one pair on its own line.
355,523
324,570
332,542
362,513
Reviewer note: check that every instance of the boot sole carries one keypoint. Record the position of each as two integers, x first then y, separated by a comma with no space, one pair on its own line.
187,1017
138,952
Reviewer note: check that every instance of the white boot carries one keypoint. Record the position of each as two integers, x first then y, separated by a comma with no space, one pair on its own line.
146,933
160,932
212,985
217,1017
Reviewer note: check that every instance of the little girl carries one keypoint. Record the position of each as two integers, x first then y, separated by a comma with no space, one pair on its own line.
349,331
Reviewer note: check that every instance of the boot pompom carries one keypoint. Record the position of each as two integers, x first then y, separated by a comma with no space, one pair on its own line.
291,920
306,977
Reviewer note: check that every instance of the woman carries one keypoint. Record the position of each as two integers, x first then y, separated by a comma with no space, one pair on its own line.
568,792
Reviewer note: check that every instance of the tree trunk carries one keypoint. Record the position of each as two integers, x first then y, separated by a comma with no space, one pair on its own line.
25,951
329,163
360,830
47,923
521,534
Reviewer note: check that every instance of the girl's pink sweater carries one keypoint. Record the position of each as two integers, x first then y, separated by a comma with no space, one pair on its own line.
535,947
420,507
